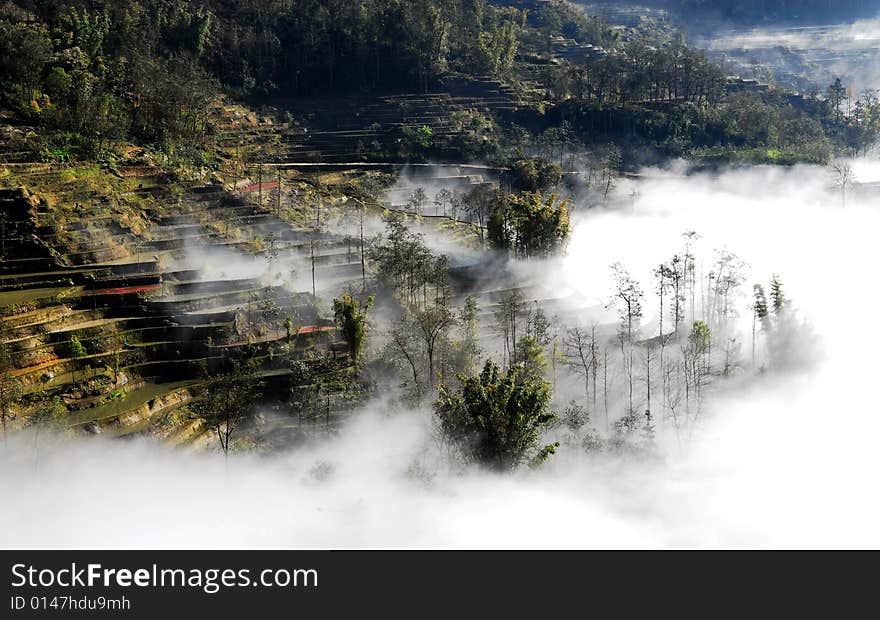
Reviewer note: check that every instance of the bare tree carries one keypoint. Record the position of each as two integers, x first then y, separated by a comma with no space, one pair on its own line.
431,323
727,274
843,178
611,168
403,345
271,243
417,200
672,396
605,385
442,200
689,270
628,298
579,350
506,317
649,360
478,203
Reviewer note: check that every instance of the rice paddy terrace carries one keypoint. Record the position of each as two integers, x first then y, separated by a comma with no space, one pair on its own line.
357,129
120,304
803,58
124,289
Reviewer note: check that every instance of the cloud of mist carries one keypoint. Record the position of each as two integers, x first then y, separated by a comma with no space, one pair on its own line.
783,459
820,53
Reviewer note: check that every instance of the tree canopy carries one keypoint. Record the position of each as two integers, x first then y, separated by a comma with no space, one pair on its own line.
529,225
497,417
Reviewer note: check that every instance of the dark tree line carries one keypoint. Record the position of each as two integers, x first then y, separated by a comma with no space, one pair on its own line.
644,73
108,71
148,69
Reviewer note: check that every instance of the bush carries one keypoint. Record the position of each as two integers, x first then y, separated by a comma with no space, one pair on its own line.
75,348
497,417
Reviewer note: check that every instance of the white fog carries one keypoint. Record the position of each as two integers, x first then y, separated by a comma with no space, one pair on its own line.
785,458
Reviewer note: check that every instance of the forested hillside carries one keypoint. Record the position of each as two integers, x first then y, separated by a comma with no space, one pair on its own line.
145,70
96,73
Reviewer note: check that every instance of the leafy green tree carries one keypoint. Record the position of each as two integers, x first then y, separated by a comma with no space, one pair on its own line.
760,303
75,348
696,359
351,319
530,355
405,264
497,417
288,328
534,175
24,53
836,96
700,336
225,403
425,134
529,225
760,316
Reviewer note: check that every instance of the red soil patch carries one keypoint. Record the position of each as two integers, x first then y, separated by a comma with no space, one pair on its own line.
313,329
122,290
255,187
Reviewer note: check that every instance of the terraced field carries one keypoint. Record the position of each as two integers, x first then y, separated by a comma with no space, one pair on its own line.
124,290
120,292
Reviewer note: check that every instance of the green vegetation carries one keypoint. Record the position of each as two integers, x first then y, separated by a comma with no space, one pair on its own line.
115,407
148,72
529,225
130,103
351,318
534,175
100,74
227,400
75,347
497,417
10,388
406,265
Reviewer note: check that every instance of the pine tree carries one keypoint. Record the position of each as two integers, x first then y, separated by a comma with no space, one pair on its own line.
777,295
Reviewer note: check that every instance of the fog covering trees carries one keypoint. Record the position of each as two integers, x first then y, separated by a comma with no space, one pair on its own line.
693,381
677,336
